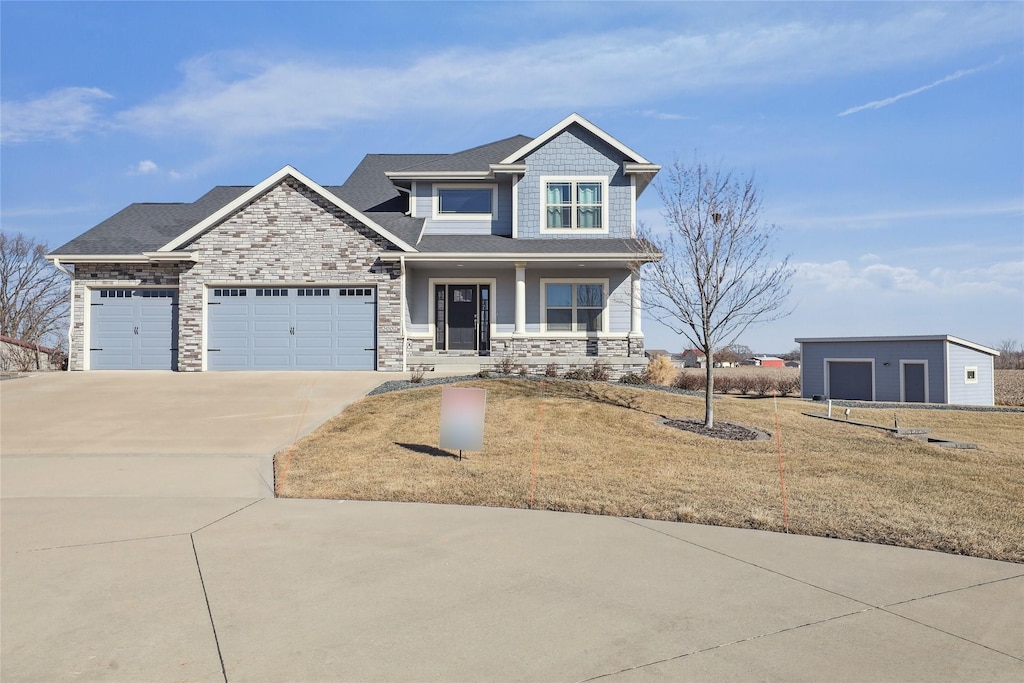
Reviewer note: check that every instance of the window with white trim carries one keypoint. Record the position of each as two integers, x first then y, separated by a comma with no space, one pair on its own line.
464,202
971,374
571,204
574,306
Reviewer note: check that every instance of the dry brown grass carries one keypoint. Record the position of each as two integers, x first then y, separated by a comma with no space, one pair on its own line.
602,450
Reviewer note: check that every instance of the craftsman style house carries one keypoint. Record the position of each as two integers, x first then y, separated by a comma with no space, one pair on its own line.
524,248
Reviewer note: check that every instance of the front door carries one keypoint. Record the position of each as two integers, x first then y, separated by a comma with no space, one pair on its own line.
462,309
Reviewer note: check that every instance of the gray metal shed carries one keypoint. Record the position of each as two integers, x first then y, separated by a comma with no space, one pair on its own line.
912,369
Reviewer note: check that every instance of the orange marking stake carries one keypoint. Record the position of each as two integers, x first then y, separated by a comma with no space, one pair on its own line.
782,472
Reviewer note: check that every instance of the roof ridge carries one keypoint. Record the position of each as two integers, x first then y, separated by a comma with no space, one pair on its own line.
464,151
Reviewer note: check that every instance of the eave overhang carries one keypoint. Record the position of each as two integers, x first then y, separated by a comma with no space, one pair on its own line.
490,257
146,257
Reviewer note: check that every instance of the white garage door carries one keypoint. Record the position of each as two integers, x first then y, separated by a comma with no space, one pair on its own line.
292,328
133,329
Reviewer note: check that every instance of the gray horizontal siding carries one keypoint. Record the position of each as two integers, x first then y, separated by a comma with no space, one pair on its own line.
500,223
887,377
960,358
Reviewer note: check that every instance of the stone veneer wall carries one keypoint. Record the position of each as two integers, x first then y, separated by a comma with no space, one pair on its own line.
290,236
526,347
91,276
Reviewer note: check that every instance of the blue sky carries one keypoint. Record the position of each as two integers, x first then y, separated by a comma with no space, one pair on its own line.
887,138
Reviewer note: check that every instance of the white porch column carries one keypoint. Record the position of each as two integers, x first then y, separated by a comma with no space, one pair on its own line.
635,305
520,299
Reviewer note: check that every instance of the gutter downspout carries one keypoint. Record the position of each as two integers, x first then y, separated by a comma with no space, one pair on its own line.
71,303
405,339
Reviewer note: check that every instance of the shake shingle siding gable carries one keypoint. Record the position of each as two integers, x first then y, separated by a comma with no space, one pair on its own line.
574,152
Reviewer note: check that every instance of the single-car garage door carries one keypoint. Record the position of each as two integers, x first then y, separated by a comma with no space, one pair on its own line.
133,329
292,328
850,380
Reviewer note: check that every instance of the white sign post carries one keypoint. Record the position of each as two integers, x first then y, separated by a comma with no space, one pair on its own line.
462,419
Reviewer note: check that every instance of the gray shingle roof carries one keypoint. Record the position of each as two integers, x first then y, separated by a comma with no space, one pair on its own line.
477,158
146,227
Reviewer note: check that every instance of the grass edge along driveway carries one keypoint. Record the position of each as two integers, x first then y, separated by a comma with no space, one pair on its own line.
600,448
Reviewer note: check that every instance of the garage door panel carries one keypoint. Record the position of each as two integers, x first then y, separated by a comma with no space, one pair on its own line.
310,328
133,329
850,380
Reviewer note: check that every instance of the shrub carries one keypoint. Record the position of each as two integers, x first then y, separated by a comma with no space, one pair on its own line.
551,370
631,378
483,374
506,365
763,385
577,373
416,377
725,383
523,371
660,370
599,372
789,386
690,381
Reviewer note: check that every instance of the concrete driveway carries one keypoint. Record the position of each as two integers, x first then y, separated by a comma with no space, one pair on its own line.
216,582
161,433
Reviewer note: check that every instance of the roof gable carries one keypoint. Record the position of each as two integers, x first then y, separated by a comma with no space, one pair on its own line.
519,154
254,192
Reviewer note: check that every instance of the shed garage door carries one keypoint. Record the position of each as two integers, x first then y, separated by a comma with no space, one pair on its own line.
133,329
292,328
850,380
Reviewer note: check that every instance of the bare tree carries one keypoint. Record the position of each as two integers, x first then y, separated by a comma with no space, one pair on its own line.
34,296
718,275
1011,355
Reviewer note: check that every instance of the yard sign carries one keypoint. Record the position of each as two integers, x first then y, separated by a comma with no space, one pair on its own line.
462,418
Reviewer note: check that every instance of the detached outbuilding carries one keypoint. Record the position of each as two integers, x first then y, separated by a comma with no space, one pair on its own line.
914,369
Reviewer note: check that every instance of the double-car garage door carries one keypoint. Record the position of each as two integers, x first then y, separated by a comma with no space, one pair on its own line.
291,328
248,328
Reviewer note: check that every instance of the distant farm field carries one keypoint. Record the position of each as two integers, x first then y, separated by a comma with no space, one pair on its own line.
1010,387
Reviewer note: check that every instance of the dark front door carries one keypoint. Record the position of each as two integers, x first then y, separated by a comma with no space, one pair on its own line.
462,317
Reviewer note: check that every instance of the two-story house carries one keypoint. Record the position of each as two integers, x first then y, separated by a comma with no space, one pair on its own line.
523,248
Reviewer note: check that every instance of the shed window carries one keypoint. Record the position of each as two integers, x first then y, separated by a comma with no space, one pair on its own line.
971,374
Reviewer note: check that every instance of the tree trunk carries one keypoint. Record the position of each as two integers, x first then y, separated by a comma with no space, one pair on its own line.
709,392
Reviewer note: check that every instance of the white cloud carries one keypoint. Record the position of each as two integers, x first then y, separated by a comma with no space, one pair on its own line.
146,166
60,114
791,217
879,279
878,104
225,96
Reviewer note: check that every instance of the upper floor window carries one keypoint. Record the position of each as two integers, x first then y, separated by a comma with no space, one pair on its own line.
571,204
466,202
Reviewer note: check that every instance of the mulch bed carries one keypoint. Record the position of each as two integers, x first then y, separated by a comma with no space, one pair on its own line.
727,431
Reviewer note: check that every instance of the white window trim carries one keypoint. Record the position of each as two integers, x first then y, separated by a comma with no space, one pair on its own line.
436,202
903,388
574,179
431,301
605,309
968,368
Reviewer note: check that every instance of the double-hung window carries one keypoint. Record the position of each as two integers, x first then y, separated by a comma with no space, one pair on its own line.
571,204
574,306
